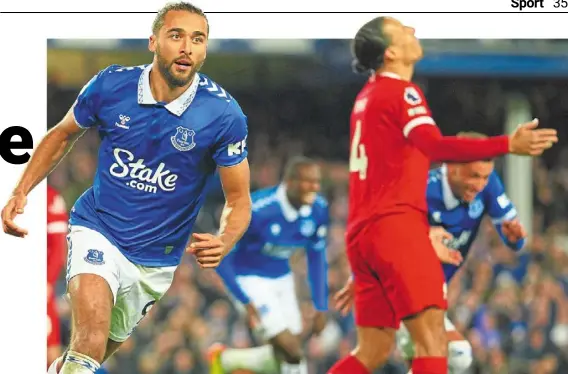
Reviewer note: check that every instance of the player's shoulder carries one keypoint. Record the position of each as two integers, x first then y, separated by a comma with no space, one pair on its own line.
219,102
320,203
398,90
264,198
117,75
494,184
435,177
214,93
434,192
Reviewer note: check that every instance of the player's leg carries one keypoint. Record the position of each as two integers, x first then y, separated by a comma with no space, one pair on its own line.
141,288
55,367
460,355
422,298
375,316
288,344
92,283
279,325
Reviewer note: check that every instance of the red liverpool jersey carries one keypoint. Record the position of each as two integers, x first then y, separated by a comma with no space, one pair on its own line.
56,233
387,173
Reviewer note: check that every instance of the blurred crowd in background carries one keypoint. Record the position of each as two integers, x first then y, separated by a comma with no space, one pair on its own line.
513,308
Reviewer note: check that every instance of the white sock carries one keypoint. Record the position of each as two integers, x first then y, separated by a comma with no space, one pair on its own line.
53,366
78,363
303,367
287,368
257,359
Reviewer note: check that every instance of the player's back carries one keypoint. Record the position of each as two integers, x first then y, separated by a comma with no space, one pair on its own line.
388,174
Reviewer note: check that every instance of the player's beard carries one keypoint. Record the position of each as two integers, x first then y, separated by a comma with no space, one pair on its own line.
166,68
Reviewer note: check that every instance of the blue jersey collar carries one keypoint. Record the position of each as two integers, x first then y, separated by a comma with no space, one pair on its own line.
178,106
450,200
290,213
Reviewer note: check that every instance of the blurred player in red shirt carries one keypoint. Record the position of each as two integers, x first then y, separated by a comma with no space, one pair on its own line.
397,273
56,248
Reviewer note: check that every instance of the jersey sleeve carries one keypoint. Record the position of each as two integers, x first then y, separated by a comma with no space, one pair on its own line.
317,263
500,208
86,107
231,147
414,110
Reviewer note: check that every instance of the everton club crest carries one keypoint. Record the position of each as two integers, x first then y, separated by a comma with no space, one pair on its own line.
183,139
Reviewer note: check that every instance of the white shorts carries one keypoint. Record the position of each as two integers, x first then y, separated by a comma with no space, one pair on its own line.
276,302
135,288
404,341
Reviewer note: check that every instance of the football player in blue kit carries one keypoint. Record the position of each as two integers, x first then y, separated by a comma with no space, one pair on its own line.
285,218
165,129
459,195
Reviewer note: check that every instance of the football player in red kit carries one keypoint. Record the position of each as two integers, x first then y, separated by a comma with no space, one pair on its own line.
56,248
397,274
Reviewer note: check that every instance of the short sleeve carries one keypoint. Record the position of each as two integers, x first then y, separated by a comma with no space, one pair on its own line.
414,109
500,208
88,103
231,147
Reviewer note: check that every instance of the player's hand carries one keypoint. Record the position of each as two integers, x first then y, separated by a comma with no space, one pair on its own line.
513,231
14,207
529,141
208,249
253,318
439,237
320,321
344,298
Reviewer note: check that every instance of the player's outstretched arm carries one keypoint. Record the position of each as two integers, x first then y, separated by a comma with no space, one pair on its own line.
47,155
237,211
235,218
526,140
503,214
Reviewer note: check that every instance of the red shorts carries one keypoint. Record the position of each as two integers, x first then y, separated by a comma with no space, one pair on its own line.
396,271
53,327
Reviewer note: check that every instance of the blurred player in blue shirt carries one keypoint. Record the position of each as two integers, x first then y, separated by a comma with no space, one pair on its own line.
285,218
459,196
165,129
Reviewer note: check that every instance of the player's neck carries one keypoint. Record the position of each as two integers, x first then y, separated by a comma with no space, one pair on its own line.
162,91
294,202
405,72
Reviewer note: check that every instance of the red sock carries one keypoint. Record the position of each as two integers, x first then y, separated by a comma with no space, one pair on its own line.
349,365
430,365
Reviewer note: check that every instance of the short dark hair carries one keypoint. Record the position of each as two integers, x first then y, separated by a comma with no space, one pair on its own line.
181,5
369,46
293,166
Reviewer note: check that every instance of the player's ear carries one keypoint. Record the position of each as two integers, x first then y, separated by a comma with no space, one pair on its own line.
152,43
390,53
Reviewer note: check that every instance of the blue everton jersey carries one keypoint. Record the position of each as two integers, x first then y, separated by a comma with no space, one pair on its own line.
463,220
154,160
276,231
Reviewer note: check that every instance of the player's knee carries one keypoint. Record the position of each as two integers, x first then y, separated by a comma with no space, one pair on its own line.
288,347
460,356
290,353
371,356
428,333
374,346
